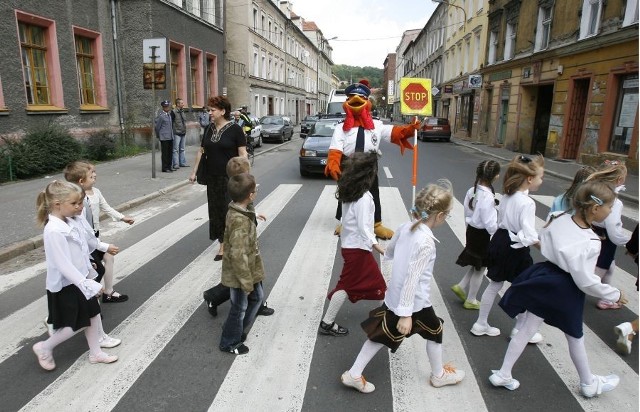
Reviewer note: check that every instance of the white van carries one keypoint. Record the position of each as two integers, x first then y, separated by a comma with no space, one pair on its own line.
336,98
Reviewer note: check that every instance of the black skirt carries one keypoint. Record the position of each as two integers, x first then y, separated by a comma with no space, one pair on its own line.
550,293
607,250
69,308
218,203
476,250
505,262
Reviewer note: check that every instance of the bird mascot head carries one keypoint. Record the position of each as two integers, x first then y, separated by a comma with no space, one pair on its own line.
358,106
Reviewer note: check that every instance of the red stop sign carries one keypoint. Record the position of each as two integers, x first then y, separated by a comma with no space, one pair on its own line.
415,96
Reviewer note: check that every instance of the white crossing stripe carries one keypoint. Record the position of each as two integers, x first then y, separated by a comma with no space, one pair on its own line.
81,388
285,340
387,172
548,201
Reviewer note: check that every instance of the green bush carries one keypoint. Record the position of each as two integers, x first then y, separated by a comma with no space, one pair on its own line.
101,145
43,150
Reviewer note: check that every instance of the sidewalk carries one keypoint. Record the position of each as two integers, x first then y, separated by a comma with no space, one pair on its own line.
127,183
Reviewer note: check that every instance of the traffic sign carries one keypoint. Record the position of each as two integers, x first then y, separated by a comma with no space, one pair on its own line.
415,96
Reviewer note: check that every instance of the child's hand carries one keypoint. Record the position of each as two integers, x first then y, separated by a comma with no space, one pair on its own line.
128,219
404,325
113,250
379,249
261,217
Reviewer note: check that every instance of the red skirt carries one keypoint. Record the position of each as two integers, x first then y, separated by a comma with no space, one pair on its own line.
361,277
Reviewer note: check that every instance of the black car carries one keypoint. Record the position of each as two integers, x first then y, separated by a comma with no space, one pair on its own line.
278,128
314,150
306,124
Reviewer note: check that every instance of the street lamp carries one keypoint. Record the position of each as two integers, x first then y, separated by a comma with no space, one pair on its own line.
323,41
456,6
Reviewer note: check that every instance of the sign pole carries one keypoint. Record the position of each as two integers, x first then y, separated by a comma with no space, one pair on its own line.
414,177
153,112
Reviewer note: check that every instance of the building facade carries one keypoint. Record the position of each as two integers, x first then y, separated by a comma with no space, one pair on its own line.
80,63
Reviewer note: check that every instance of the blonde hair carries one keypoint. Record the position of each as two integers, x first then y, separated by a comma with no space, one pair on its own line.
237,165
78,170
609,172
518,170
433,199
55,192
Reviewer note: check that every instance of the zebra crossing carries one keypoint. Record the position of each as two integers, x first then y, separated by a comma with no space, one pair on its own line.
286,340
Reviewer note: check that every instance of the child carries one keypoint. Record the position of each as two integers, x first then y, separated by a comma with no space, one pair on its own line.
627,330
242,269
84,174
71,290
509,246
407,306
219,294
481,218
554,291
562,203
361,277
610,230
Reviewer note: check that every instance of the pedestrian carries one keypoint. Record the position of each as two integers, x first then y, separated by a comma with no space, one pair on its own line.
179,135
222,140
509,247
627,330
242,269
407,307
554,291
84,175
164,133
360,277
610,230
246,124
563,202
481,217
71,290
220,293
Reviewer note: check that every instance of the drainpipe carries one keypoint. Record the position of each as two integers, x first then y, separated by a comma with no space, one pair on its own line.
116,57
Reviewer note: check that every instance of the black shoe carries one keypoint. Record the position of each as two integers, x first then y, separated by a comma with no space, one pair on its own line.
175,168
114,299
243,337
213,309
332,329
167,171
241,349
265,310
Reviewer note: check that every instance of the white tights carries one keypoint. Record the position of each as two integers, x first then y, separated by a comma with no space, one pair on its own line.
530,325
370,348
606,274
108,273
472,279
91,333
337,299
486,302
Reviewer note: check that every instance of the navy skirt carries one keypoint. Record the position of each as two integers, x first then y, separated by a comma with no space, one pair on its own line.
69,307
607,250
476,250
505,262
550,293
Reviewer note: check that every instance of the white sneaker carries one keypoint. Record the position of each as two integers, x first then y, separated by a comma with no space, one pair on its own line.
49,326
623,331
497,380
450,376
102,357
480,330
108,342
537,338
359,384
600,384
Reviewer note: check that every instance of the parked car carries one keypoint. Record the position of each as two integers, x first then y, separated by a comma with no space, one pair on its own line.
435,128
278,128
306,125
256,132
314,150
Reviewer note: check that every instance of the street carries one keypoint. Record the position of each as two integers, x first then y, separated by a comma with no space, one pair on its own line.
169,358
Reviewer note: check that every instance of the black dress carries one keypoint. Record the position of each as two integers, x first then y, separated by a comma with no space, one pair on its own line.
505,262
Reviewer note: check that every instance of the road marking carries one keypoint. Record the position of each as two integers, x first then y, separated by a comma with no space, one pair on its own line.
81,388
277,365
387,172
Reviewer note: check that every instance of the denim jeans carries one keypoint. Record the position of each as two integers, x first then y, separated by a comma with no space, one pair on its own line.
244,308
178,151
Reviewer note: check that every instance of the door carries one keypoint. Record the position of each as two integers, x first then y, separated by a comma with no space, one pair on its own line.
541,122
575,125
502,120
270,106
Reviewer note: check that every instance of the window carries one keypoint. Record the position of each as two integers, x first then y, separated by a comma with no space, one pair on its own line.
544,28
256,62
264,67
510,41
467,54
630,13
34,51
591,14
626,113
177,71
476,51
193,7
2,106
255,19
212,75
197,92
90,71
493,46
208,11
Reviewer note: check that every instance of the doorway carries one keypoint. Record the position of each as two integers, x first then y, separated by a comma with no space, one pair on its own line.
541,122
576,113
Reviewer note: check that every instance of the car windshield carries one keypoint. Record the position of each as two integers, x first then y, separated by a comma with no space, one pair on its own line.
272,120
311,118
323,129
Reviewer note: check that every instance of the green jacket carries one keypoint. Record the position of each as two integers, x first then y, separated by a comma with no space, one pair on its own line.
241,261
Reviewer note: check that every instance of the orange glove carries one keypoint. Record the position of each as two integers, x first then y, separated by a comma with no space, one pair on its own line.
333,164
401,134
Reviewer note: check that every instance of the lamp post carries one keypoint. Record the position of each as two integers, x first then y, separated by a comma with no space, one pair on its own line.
456,6
323,41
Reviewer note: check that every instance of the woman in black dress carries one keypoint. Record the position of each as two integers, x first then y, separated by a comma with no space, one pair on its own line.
222,140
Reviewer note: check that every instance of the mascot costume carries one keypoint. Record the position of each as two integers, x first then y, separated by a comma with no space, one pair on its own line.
361,133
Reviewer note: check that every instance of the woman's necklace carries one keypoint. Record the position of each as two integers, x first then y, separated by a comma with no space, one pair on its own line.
216,134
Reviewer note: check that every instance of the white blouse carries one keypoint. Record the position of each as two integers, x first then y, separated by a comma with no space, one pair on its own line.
98,204
346,141
357,224
413,255
575,250
517,214
613,225
484,214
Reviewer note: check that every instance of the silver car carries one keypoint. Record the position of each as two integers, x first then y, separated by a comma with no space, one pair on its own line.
277,128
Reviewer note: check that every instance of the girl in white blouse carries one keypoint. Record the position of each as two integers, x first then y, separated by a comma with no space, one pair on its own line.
71,290
554,291
407,308
481,217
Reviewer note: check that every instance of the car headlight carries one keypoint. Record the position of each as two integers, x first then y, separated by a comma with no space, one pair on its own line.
308,153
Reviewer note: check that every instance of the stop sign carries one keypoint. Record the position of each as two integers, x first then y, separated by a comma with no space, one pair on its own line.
415,96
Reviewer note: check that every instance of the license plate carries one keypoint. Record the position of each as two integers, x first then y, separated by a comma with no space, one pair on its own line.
437,128
323,161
